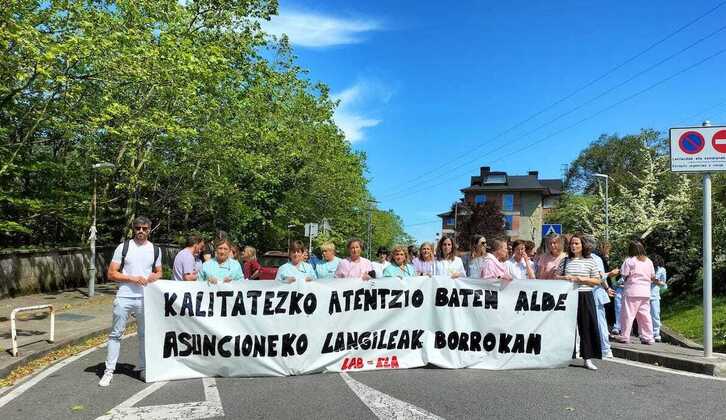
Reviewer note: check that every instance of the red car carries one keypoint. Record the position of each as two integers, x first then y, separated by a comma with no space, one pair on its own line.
270,261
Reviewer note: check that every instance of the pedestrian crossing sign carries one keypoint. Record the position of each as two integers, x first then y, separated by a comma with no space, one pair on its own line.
550,228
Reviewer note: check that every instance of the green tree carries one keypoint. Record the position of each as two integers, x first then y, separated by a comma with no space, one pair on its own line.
210,124
479,219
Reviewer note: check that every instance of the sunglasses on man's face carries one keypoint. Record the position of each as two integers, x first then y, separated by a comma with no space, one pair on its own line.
141,228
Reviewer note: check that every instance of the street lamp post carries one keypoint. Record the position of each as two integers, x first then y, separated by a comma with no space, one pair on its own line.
370,222
607,202
92,231
290,226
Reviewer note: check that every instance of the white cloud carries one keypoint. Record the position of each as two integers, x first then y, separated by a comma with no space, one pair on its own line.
313,30
354,101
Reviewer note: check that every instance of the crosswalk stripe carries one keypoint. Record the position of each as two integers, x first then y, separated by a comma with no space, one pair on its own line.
385,406
210,407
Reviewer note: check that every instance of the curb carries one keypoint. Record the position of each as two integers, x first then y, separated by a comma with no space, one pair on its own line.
27,358
678,339
716,368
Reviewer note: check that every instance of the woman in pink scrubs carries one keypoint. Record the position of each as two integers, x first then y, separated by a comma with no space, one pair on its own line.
494,266
355,265
638,272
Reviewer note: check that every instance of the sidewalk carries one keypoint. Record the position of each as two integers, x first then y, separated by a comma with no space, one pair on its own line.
677,353
77,318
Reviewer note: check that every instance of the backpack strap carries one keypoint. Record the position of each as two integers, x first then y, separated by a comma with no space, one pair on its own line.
124,251
157,252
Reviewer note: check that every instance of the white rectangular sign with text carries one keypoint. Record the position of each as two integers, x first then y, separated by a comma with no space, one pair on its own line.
698,149
260,328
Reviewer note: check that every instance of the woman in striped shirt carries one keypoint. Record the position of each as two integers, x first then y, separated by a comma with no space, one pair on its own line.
579,268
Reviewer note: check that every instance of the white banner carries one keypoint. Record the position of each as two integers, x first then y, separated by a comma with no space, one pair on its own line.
263,328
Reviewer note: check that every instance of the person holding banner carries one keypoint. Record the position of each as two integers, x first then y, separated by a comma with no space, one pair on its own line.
221,268
639,273
399,266
355,265
478,252
424,263
494,266
135,263
382,263
447,262
296,269
326,269
579,268
549,261
520,266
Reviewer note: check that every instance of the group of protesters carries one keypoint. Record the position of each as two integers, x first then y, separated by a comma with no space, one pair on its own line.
577,258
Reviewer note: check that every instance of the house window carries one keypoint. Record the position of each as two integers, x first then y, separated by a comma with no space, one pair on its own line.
549,202
496,179
449,221
480,199
508,202
508,222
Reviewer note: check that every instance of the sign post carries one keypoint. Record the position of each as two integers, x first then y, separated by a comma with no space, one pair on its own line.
690,153
311,231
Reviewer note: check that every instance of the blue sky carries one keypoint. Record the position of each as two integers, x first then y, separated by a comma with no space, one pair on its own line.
431,91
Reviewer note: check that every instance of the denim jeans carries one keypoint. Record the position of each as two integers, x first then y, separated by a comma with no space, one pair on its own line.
655,315
618,307
122,308
602,323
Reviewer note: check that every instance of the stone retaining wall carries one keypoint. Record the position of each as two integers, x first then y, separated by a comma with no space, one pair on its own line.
26,272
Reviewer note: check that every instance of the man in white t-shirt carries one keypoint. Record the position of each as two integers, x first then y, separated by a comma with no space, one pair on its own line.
135,264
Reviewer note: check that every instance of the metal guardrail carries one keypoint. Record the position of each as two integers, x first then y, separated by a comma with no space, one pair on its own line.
13,332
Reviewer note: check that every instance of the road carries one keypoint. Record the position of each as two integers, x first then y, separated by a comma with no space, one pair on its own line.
616,390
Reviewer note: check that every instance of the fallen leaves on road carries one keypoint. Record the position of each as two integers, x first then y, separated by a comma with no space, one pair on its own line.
78,408
56,356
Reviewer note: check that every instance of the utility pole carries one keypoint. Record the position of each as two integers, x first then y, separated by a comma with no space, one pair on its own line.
93,231
607,209
371,202
707,273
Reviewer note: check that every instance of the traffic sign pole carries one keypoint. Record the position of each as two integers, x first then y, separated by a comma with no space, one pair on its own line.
707,292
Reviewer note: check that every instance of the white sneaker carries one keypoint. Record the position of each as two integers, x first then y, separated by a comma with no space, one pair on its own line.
106,379
589,365
609,354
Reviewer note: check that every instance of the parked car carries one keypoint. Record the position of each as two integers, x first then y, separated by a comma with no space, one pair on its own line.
270,261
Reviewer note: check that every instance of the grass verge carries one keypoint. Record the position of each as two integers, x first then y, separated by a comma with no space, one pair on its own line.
686,317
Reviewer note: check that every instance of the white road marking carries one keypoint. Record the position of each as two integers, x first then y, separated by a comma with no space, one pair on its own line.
210,407
665,370
18,390
141,395
385,406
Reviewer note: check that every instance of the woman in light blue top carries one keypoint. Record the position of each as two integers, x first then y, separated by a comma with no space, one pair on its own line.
657,286
326,269
221,268
297,269
399,266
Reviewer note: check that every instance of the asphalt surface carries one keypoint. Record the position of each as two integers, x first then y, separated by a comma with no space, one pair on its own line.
614,391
